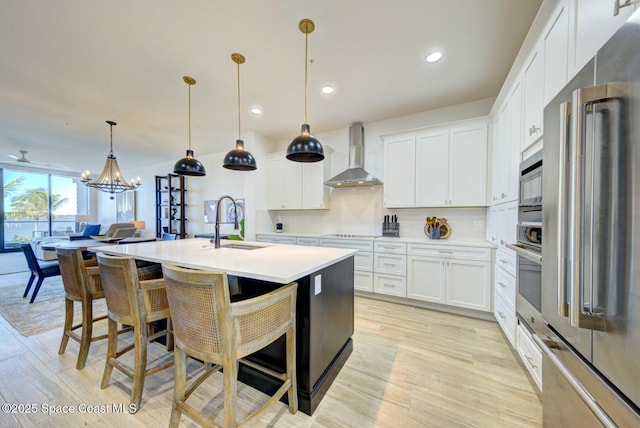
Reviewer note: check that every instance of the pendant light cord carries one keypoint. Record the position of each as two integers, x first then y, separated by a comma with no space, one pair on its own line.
111,137
239,138
306,62
189,116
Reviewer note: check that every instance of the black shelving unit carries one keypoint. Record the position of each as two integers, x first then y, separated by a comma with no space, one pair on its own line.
171,206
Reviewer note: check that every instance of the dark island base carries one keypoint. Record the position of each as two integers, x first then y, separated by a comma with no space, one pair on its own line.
307,402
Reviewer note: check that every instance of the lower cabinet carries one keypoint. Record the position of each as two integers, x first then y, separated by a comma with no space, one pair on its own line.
504,288
456,276
530,354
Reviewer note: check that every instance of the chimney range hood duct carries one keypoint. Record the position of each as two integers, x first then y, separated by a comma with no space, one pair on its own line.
356,174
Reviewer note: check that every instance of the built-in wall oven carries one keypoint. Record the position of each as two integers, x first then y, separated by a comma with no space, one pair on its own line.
529,244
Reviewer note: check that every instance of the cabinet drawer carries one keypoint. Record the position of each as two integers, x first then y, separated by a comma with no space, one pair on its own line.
530,354
291,240
363,281
506,317
388,263
307,241
390,284
390,247
448,251
363,260
358,244
505,286
506,259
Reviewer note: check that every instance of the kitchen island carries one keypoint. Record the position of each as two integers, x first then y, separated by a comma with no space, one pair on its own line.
324,302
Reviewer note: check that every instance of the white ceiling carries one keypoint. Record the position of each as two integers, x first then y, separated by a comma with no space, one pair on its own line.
67,66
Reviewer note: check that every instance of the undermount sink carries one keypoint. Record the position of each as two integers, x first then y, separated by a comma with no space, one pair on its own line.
242,246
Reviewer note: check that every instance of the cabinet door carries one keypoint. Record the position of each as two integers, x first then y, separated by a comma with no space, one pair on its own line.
514,144
275,183
313,189
399,172
556,39
432,168
496,166
492,235
501,155
592,23
425,279
469,284
468,165
533,82
292,191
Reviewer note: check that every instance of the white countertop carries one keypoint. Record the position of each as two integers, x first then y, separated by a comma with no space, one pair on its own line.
420,240
278,263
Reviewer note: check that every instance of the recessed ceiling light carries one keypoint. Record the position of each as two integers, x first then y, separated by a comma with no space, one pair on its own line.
434,56
256,110
328,89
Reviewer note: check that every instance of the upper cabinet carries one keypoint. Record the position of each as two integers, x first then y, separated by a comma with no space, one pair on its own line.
437,167
556,45
294,185
533,90
591,24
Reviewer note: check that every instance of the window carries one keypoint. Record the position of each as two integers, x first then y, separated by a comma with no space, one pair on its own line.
39,204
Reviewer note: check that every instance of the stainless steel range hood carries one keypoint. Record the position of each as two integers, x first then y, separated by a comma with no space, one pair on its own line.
356,175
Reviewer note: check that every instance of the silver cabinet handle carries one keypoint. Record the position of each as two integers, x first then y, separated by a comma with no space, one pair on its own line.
390,264
503,261
445,252
504,195
502,284
533,129
501,315
389,285
530,361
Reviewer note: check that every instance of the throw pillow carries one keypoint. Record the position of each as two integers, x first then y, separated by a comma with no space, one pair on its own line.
91,229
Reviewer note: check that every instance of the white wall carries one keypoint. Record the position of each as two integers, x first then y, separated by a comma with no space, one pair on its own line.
359,210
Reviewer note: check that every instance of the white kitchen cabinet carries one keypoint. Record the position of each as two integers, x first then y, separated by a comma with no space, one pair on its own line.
506,318
533,92
530,353
390,268
399,171
437,167
432,166
556,45
468,164
591,24
456,276
504,289
362,261
491,234
295,185
501,154
506,222
276,239
515,143
469,284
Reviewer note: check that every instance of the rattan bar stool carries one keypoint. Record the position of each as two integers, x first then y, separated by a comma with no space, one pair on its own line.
136,302
207,326
81,279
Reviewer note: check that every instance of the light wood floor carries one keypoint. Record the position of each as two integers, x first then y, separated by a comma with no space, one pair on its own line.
410,367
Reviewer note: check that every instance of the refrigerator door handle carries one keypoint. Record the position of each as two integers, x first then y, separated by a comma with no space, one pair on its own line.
545,344
582,98
563,304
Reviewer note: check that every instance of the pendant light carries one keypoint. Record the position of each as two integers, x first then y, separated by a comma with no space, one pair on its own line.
239,159
189,165
111,179
305,147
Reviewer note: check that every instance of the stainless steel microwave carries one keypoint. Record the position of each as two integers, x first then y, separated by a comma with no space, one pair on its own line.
531,181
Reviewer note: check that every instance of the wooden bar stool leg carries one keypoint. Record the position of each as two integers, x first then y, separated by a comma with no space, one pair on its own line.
140,364
68,323
230,379
87,330
111,352
180,385
291,371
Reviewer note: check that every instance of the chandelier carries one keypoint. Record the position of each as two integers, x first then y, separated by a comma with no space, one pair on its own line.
111,179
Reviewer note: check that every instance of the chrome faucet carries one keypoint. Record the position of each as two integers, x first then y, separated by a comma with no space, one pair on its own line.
235,224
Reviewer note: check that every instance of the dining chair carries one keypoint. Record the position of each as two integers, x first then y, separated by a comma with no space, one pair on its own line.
135,302
208,327
82,283
39,270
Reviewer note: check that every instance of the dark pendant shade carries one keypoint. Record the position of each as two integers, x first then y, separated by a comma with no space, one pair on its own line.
239,159
305,147
189,166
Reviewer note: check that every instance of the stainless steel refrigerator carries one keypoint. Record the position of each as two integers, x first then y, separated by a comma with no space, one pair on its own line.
591,250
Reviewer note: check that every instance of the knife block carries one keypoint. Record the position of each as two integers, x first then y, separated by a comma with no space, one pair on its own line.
391,229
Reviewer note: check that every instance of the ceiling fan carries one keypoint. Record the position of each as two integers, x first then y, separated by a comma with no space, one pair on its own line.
26,162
